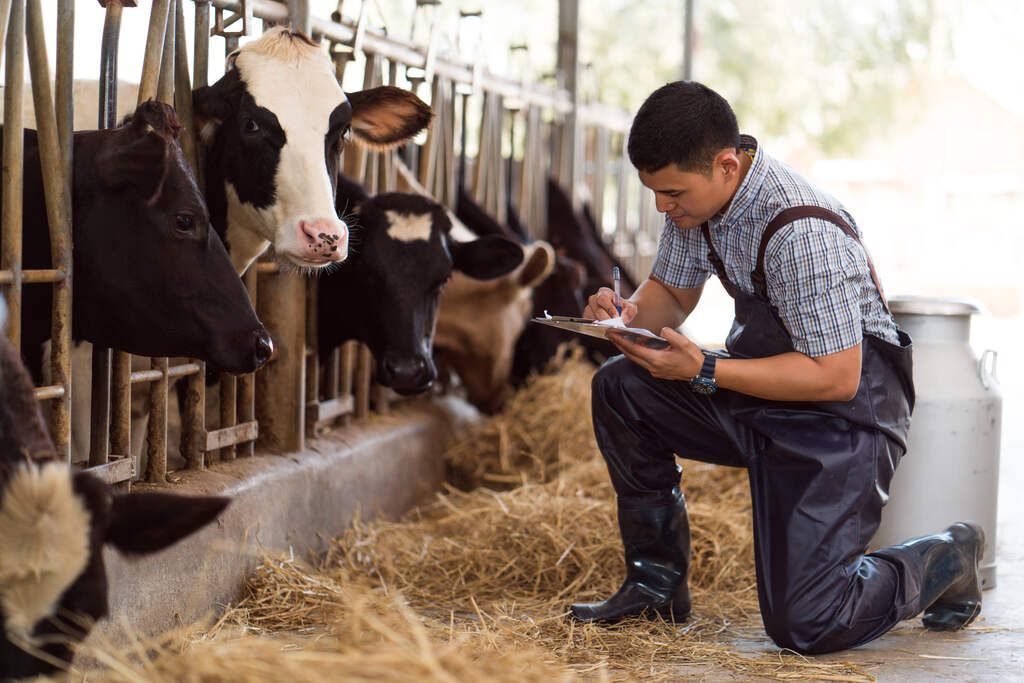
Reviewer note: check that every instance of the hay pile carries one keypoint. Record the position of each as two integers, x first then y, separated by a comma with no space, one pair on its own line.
476,585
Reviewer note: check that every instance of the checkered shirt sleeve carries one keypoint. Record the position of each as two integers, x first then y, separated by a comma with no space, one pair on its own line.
682,259
815,280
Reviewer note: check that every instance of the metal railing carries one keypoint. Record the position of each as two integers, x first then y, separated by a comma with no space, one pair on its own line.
517,141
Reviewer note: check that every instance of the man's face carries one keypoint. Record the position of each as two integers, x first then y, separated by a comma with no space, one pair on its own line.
689,198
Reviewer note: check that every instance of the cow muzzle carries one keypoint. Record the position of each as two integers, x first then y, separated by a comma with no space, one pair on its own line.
242,352
407,375
320,241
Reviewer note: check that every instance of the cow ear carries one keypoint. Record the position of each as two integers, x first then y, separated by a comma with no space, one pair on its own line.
386,116
539,264
145,522
134,160
487,257
211,106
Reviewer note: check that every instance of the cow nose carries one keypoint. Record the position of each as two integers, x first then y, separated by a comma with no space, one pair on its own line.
324,238
263,349
407,375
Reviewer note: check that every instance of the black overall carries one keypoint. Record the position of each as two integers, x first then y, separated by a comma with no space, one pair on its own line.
819,472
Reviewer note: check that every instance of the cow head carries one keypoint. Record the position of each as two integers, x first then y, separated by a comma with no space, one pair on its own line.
54,522
275,125
150,275
479,322
387,294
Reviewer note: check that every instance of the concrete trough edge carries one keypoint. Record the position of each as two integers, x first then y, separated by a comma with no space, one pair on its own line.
293,503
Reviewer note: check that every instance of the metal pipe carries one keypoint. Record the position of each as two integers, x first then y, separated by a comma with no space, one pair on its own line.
395,50
228,411
13,169
165,84
120,404
247,382
183,91
99,415
193,425
60,328
51,162
688,39
108,65
154,49
156,429
202,44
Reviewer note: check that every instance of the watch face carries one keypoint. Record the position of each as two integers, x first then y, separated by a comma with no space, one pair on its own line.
702,385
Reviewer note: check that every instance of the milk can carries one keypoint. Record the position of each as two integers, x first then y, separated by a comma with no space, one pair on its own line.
950,472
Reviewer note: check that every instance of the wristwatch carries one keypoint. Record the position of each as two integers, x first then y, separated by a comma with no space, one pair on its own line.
704,383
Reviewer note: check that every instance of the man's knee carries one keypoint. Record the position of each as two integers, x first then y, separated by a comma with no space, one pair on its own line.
617,377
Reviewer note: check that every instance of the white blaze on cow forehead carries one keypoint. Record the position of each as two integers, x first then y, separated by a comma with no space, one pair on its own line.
44,543
409,227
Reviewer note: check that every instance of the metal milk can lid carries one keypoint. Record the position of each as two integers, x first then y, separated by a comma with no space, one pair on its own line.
934,305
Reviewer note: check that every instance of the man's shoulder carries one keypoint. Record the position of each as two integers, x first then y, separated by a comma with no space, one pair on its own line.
785,188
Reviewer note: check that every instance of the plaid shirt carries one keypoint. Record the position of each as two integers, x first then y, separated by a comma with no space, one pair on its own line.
818,277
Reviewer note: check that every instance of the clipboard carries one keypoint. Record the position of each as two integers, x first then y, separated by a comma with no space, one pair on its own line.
592,328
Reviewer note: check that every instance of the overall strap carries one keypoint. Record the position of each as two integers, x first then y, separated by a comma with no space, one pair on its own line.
795,213
716,261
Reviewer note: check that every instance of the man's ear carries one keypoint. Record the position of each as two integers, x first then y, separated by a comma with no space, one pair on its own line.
487,257
136,159
145,522
212,105
386,116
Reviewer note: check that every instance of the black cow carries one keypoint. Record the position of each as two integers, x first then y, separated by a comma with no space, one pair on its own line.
150,276
54,522
574,234
275,125
387,294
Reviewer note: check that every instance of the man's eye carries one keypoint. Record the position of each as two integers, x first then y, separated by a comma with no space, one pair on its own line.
184,222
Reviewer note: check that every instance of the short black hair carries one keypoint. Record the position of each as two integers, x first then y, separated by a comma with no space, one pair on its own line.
684,123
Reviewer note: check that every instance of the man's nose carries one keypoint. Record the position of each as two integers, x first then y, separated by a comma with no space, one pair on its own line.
664,205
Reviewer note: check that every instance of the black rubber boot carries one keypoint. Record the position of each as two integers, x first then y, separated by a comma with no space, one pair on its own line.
951,583
657,546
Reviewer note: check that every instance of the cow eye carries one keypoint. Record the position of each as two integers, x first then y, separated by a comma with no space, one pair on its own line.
251,126
184,222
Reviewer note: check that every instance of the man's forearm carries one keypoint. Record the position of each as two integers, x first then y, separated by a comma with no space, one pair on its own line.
656,307
789,377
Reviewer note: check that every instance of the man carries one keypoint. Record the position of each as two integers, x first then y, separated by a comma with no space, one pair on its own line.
813,397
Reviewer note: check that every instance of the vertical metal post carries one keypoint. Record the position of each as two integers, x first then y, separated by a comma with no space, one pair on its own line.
247,383
120,387
183,91
193,422
165,83
13,169
228,411
298,14
154,49
156,432
57,210
60,349
688,39
281,387
202,44
567,67
99,433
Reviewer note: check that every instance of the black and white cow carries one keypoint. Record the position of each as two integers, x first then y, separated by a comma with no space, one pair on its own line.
54,522
150,276
275,125
387,294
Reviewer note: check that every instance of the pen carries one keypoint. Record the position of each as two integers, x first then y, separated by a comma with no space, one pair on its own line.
617,282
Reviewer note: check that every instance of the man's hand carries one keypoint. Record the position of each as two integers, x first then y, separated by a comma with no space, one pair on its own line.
601,306
681,361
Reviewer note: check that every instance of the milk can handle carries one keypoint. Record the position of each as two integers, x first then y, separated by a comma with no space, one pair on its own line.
987,370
